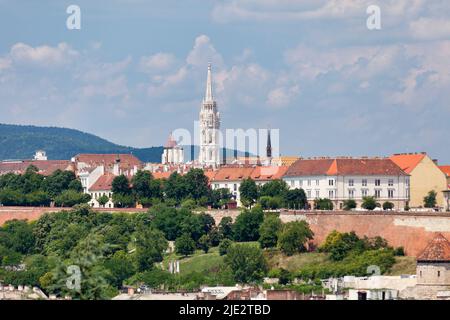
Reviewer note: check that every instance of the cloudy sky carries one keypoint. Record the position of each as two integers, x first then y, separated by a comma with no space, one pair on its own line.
136,70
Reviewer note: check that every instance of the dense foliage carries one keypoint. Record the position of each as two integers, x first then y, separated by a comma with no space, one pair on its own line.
34,189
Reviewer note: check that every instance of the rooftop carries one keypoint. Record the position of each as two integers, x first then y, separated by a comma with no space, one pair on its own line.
438,250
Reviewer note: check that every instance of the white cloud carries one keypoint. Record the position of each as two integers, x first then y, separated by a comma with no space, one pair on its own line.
43,56
157,62
281,97
204,52
429,28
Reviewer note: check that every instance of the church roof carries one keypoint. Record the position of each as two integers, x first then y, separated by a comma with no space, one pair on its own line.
437,250
171,143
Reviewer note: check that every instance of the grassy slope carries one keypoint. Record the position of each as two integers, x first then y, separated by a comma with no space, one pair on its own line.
211,261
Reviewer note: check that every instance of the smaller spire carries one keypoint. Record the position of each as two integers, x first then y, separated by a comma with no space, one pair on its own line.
269,145
209,92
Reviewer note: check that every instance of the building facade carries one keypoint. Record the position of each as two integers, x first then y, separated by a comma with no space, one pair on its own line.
209,126
425,177
341,179
173,153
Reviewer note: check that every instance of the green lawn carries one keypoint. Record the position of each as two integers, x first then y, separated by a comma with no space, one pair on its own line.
403,265
199,261
293,263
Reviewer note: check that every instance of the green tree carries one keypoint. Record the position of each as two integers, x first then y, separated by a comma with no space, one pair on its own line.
296,199
18,236
120,266
121,200
224,245
246,262
141,184
349,204
248,191
175,187
103,200
150,246
184,245
246,226
369,203
226,227
204,243
430,200
197,184
121,185
274,188
293,237
269,230
323,204
388,205
70,198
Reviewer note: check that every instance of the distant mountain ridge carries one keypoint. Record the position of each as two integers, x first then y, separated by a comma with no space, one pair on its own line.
22,141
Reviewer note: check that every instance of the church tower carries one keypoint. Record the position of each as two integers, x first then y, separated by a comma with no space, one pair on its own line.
209,127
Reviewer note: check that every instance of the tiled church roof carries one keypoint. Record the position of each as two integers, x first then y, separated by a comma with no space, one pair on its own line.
437,250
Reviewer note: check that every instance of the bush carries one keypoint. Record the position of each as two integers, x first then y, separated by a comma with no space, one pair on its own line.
246,226
323,204
369,203
388,205
269,230
70,198
224,245
349,204
204,243
400,251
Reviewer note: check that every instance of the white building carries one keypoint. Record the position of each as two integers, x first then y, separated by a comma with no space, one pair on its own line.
40,155
340,179
209,127
173,153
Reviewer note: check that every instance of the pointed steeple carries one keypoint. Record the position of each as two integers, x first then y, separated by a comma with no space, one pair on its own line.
269,145
209,93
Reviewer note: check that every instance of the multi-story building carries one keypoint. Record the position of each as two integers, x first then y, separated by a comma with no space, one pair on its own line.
231,177
425,177
341,179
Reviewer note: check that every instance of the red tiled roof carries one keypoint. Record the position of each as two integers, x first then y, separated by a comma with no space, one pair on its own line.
268,173
445,169
161,175
344,166
46,167
233,173
103,183
437,250
408,161
128,160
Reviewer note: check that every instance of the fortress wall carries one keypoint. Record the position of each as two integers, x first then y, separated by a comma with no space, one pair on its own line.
412,231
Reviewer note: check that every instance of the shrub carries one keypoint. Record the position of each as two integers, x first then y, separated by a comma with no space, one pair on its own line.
224,245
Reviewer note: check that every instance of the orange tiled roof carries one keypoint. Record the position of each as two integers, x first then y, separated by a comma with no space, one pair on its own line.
344,166
437,250
103,183
445,169
233,173
408,161
268,173
161,175
46,167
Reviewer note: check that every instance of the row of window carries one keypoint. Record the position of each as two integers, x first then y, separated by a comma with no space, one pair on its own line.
352,193
351,182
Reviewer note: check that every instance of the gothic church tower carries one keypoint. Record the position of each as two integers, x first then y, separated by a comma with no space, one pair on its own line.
209,127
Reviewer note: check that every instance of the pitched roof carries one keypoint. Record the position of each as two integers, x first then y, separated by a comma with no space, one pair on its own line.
437,250
408,161
445,169
344,166
95,159
46,167
103,183
268,173
162,175
233,173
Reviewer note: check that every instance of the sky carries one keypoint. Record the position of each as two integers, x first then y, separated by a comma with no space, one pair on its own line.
136,71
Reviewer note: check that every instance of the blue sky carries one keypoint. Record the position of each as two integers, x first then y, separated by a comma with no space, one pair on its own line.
136,70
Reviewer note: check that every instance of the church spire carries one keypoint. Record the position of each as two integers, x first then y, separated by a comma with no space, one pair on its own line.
209,93
269,145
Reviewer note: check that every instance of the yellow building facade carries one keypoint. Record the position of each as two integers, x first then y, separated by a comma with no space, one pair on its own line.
425,175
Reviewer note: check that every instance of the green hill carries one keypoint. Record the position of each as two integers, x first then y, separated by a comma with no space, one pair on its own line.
21,142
